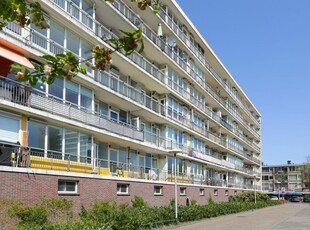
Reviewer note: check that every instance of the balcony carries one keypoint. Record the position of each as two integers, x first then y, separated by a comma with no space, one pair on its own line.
133,18
203,61
20,94
63,162
101,31
110,81
45,44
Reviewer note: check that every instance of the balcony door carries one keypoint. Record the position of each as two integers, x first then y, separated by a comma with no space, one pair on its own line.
113,160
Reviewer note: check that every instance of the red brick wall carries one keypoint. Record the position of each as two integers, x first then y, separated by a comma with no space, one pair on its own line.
30,186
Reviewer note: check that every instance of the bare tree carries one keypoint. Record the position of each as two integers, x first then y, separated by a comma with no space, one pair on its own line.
281,179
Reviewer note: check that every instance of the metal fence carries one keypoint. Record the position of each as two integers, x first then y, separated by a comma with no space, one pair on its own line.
20,156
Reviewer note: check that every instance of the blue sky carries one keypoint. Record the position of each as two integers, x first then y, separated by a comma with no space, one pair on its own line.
265,44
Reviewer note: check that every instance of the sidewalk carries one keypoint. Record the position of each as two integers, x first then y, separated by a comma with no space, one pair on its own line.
290,216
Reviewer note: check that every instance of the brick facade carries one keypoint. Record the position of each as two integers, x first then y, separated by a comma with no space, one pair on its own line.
29,186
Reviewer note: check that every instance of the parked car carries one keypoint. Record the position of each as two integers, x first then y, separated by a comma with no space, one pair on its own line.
296,199
306,198
274,198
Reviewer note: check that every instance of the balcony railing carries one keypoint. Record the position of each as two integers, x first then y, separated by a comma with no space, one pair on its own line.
149,102
135,20
124,89
101,31
203,60
23,95
57,161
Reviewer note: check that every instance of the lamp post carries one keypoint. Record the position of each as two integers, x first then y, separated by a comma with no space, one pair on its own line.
175,151
175,188
255,188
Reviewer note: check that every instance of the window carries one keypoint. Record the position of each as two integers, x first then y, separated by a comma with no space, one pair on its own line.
158,190
67,186
265,177
37,137
55,136
216,192
73,42
183,191
9,130
123,189
292,177
86,98
57,34
71,144
72,92
235,192
202,192
114,116
226,192
85,148
56,89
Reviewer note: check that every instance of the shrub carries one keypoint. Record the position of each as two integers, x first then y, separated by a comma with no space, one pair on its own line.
249,197
34,215
59,209
210,200
194,202
138,202
110,215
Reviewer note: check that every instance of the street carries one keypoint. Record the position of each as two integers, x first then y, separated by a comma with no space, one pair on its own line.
285,217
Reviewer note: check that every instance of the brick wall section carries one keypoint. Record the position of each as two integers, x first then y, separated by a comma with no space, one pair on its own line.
29,187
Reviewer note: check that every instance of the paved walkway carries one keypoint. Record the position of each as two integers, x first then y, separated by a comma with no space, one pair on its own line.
290,216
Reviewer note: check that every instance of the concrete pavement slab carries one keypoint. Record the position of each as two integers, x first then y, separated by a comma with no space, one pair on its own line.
289,216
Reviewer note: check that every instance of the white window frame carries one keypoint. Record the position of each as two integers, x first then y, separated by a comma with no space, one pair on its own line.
119,189
183,191
201,191
68,192
160,190
115,112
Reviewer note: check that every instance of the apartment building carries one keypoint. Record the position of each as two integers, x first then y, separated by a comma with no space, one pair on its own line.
285,177
172,111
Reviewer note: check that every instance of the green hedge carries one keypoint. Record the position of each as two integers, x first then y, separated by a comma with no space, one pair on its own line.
110,215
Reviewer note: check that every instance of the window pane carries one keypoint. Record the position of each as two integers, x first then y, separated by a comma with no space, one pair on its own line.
86,50
86,98
122,156
56,89
123,116
114,116
72,92
73,42
9,129
103,155
85,147
87,7
36,135
103,109
70,186
61,186
57,33
133,159
148,159
170,159
54,139
71,143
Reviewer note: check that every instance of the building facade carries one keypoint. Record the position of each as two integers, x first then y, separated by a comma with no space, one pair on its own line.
172,111
286,177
